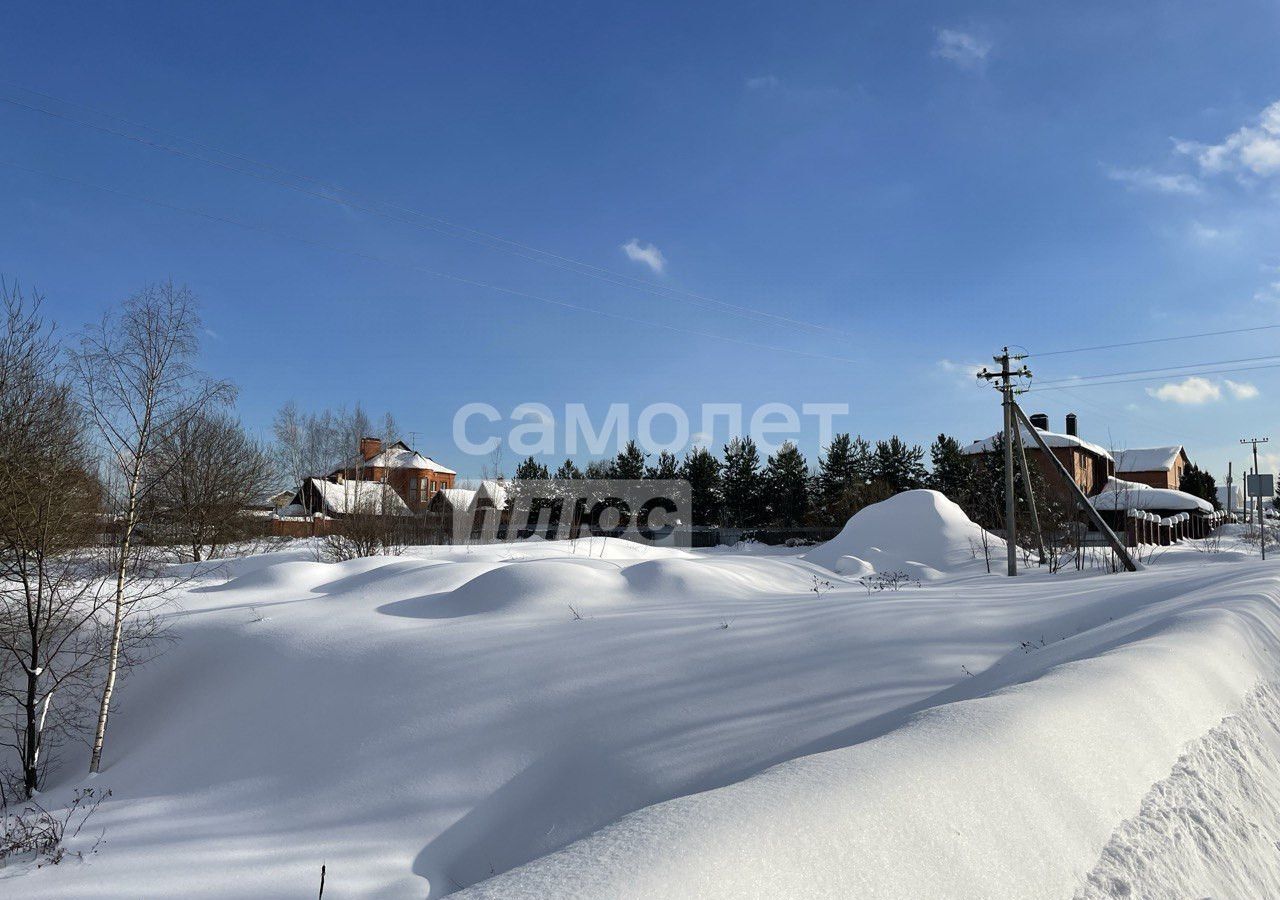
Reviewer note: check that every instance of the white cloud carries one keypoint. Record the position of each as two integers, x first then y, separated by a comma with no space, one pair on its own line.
1251,151
970,369
762,82
1241,390
960,373
648,254
966,50
1191,391
1196,391
1269,294
1144,179
1208,234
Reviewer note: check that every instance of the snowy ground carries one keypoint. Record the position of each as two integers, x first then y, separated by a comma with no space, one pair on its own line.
715,724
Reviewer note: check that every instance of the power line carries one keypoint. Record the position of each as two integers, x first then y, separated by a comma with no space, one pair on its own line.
1090,384
1180,337
1111,412
435,223
1079,379
213,217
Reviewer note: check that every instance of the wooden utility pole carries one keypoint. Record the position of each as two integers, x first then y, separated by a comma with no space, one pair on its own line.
1230,510
1005,387
1257,500
1031,496
1098,522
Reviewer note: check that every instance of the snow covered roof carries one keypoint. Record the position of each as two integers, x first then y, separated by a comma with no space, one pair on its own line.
397,456
494,491
1120,494
359,496
458,498
1147,459
1051,438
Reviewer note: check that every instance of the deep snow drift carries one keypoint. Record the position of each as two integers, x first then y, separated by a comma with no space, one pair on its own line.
698,724
920,533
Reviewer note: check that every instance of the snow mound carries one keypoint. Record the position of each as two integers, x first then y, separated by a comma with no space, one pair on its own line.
921,533
298,576
729,578
537,585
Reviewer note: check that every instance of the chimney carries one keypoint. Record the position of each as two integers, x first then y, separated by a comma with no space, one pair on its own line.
370,447
1072,426
1041,421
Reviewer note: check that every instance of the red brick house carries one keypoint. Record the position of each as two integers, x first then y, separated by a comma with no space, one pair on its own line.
1157,467
416,478
1089,464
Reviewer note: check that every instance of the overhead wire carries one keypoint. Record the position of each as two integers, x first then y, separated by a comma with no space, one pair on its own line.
1162,340
1171,370
1090,384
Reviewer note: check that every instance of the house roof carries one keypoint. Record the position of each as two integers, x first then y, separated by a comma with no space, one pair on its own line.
1147,459
458,498
1053,439
494,491
397,456
359,496
1121,495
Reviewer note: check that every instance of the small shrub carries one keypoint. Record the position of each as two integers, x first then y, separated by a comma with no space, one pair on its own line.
35,834
886,581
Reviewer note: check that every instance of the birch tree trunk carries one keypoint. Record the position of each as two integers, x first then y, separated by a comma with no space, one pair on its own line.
140,386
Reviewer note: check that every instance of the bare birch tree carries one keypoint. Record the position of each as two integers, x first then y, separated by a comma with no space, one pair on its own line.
309,445
50,593
138,382
210,471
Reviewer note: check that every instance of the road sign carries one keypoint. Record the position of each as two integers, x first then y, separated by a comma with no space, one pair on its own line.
1260,485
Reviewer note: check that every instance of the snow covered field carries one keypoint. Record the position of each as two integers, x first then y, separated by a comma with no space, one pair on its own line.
670,723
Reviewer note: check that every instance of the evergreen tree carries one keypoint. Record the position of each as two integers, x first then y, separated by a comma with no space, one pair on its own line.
835,477
666,469
985,504
844,480
786,479
531,470
952,470
1200,483
742,483
702,471
568,471
629,464
862,461
899,466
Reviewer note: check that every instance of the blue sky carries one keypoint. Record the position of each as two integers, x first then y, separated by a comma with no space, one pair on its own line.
925,182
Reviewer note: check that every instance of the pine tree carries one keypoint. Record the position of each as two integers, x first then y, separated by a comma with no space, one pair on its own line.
531,470
835,477
568,471
629,464
844,480
666,469
742,484
786,479
1200,483
952,470
702,471
899,466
